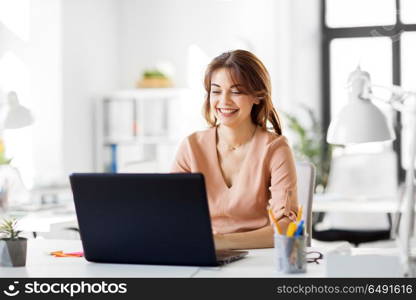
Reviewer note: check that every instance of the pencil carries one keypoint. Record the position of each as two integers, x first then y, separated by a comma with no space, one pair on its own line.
279,230
291,229
300,211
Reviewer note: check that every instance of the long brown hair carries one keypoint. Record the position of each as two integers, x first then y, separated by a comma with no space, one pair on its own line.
246,69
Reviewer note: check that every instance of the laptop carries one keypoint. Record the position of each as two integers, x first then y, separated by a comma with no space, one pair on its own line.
146,219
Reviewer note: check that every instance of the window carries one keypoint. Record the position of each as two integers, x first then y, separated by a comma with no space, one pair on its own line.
378,35
408,11
348,13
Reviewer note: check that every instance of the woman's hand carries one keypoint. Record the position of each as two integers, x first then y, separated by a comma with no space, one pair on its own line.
220,241
259,238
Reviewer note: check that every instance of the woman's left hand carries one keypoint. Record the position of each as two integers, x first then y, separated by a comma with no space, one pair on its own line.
258,238
220,241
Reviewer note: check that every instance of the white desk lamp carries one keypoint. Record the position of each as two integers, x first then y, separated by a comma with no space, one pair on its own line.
18,116
360,121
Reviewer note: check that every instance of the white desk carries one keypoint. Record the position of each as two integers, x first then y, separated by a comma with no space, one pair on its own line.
44,219
259,263
41,264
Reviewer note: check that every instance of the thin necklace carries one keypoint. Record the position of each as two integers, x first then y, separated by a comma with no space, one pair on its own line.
235,147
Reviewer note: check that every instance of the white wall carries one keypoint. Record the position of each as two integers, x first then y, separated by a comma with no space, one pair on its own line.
158,30
284,34
58,54
90,65
30,58
299,54
46,70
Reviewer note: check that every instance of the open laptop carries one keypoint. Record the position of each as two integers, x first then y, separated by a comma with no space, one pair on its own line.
146,219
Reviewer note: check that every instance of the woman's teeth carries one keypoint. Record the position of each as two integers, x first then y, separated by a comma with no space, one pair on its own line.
227,111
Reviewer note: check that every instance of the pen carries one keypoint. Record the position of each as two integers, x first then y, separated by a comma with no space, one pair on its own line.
299,230
300,211
279,230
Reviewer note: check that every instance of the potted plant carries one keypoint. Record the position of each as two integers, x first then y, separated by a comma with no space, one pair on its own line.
4,163
13,248
310,145
3,159
154,78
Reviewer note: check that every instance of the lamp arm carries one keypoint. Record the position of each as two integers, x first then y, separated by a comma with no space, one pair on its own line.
396,101
408,214
396,89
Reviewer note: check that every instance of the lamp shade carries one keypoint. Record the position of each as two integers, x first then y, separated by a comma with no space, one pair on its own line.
360,121
18,116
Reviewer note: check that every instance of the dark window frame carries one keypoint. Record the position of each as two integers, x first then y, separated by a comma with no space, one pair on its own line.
395,33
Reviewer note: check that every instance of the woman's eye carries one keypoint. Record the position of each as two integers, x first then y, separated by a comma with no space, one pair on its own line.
236,92
215,92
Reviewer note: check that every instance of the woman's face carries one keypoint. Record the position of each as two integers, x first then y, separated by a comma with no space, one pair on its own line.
231,105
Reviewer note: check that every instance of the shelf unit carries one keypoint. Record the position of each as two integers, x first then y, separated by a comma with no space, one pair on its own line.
139,130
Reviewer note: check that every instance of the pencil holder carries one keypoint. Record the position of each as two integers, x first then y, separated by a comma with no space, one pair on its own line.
290,254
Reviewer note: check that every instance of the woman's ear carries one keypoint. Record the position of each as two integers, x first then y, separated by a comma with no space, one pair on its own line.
257,100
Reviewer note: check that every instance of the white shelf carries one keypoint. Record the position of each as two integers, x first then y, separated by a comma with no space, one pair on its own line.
140,140
137,125
147,94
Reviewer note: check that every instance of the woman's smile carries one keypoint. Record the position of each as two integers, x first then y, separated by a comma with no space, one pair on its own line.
227,112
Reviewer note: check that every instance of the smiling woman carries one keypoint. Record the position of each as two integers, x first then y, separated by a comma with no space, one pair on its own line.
229,102
247,166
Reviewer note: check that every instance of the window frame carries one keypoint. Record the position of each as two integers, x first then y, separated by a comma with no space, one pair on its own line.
395,32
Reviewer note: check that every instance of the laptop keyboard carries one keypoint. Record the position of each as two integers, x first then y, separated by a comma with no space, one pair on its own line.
228,256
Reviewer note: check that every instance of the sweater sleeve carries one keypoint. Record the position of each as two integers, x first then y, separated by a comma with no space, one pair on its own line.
181,163
283,183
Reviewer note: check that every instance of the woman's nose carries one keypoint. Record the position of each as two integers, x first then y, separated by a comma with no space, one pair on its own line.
225,98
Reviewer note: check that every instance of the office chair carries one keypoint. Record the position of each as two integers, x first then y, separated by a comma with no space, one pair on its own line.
305,172
359,176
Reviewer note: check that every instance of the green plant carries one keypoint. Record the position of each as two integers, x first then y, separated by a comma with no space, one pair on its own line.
3,159
310,145
153,74
8,227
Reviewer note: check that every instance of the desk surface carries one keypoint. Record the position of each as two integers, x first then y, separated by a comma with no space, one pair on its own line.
41,264
259,263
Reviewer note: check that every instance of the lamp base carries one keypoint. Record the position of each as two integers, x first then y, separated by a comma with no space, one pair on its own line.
412,268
